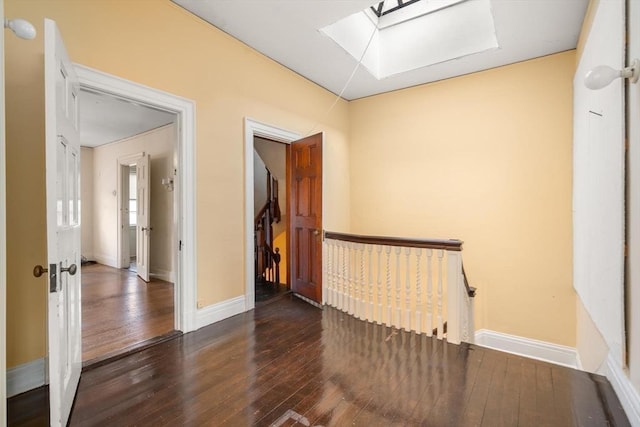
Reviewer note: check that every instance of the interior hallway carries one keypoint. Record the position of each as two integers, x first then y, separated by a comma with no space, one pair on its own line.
120,311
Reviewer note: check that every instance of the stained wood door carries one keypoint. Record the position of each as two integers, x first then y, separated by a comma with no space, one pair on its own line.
62,144
305,226
143,219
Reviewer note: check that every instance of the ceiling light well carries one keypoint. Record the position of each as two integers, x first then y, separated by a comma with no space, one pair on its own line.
423,33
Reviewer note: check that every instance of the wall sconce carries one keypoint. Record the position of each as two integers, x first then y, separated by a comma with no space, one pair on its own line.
21,28
602,75
168,183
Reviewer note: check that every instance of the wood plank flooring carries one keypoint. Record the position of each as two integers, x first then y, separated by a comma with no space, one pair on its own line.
120,311
288,363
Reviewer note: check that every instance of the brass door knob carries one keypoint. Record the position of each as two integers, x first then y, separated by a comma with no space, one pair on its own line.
39,270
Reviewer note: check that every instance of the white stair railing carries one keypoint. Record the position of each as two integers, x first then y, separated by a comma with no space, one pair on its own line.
383,280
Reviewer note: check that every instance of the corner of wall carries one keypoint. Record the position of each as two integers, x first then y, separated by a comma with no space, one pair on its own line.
590,344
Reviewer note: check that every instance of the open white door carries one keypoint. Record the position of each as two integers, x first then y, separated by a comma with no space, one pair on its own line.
63,224
143,219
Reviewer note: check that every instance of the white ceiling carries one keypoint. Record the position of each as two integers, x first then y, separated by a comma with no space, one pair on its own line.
288,32
105,119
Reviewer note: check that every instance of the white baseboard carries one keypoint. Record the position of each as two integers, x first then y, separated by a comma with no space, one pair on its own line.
106,260
26,377
165,275
220,311
628,395
534,349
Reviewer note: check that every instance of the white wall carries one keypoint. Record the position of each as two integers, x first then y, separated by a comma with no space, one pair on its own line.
86,201
159,144
274,156
259,183
633,200
598,182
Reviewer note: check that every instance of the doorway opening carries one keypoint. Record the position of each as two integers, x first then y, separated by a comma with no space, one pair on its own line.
128,154
271,219
253,130
304,211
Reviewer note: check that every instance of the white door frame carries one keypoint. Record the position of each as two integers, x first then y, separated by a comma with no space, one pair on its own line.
185,263
253,128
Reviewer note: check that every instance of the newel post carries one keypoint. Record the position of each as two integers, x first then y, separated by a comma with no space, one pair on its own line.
455,299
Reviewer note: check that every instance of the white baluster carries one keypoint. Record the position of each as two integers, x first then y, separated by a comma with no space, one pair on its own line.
429,293
440,323
361,302
355,280
351,274
457,310
407,291
370,284
387,250
398,286
343,276
379,284
329,281
418,327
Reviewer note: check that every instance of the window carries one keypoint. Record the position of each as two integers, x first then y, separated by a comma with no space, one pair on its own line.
133,202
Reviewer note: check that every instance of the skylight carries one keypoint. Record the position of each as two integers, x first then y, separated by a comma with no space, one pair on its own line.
387,6
396,36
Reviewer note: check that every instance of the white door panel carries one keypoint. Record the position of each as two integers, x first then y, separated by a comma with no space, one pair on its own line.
143,219
63,225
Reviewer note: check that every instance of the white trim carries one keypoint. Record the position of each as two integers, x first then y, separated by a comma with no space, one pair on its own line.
26,377
185,259
253,128
626,392
220,311
527,347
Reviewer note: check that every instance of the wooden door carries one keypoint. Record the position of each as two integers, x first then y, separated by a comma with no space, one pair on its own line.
143,218
62,142
305,223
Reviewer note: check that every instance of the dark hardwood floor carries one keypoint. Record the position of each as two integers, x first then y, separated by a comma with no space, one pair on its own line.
289,363
267,291
120,311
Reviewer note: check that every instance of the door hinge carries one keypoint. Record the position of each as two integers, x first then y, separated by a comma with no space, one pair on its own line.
180,245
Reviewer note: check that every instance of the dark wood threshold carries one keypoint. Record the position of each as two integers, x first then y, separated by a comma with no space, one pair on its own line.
275,298
127,351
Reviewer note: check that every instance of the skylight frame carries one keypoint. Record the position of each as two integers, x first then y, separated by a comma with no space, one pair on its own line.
399,4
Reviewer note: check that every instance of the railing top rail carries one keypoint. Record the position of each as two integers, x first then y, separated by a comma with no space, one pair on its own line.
449,245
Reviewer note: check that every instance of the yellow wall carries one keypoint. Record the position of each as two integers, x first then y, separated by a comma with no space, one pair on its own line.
486,158
280,242
158,44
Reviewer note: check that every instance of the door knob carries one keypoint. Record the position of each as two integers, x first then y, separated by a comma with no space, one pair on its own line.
72,269
39,270
147,228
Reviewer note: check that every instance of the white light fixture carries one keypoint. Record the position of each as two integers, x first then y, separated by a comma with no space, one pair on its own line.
21,28
602,75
